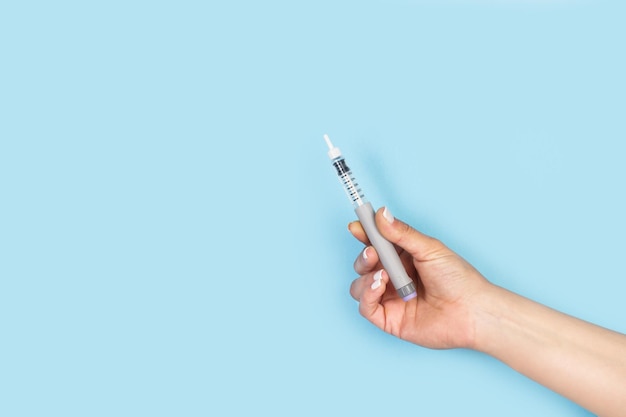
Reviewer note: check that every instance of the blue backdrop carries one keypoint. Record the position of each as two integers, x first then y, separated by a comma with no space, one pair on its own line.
173,239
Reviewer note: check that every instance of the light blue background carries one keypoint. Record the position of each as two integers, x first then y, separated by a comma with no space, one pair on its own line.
173,240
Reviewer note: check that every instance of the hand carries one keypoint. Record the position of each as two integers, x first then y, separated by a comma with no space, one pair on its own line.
457,307
441,316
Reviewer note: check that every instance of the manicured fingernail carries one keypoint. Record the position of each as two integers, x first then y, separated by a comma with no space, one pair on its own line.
375,284
365,254
378,276
387,215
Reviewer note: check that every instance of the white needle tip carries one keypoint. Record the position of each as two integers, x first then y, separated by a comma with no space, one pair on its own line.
328,142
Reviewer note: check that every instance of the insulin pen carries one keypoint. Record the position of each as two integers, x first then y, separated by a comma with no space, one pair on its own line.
364,211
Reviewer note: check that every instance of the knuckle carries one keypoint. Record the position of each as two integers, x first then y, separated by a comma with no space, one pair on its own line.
404,233
436,248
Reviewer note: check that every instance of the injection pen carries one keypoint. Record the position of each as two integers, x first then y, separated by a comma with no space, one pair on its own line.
364,211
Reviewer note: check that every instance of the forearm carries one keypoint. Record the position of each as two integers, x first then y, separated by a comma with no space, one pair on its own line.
581,361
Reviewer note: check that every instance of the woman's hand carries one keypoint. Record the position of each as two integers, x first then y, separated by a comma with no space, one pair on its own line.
457,307
441,316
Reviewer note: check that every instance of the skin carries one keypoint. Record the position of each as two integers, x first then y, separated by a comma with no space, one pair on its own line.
457,307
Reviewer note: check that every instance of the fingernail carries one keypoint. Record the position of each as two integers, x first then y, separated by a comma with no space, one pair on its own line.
365,254
378,276
387,215
375,284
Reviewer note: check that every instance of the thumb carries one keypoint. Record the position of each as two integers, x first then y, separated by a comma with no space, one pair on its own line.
419,245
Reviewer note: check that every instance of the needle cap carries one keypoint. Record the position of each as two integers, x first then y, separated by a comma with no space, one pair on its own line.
333,152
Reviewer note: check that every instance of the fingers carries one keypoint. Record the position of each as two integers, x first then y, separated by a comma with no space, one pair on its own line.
356,228
366,261
419,245
369,290
360,285
357,231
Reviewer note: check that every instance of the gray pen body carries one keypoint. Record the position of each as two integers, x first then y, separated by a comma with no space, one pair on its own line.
386,252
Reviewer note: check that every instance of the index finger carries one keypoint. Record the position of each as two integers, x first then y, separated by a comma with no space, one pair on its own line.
357,231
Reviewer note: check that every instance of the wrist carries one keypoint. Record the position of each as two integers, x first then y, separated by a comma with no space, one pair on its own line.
489,311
